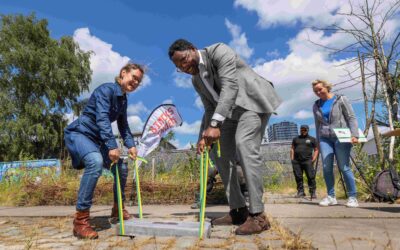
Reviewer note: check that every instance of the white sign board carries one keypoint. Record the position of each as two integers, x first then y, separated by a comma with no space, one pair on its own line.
344,135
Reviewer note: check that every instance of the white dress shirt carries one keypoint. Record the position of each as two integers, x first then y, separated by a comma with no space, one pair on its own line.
203,75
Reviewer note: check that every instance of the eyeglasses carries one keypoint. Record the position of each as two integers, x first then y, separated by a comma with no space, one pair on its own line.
183,61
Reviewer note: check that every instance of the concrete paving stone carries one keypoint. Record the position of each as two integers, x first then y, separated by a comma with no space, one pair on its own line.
49,231
271,244
62,235
243,238
186,242
78,243
68,240
150,246
65,240
165,240
69,247
267,234
164,228
43,241
222,232
13,231
16,247
214,243
53,245
102,246
337,232
112,238
247,246
122,247
139,240
221,235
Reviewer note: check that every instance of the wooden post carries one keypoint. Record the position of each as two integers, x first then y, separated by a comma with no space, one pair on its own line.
152,169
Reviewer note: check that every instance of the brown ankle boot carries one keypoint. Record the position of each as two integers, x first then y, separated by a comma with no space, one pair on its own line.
236,217
254,224
82,228
114,212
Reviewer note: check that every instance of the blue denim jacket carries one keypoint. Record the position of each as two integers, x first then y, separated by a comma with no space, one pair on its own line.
92,132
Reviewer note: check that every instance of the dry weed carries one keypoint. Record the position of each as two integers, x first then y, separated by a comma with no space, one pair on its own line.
290,240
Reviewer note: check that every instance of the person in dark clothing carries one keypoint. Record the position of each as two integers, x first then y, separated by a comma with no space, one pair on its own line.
303,154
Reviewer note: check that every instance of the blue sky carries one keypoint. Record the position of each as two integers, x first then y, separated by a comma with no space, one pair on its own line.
272,36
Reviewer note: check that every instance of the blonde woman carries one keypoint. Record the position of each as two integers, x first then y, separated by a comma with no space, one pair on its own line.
334,111
92,144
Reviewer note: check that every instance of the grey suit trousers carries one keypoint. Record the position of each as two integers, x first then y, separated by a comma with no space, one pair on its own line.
243,134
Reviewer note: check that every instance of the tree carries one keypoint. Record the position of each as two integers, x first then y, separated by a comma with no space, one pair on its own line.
40,80
377,55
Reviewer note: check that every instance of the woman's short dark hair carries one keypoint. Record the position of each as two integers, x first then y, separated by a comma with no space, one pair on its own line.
179,45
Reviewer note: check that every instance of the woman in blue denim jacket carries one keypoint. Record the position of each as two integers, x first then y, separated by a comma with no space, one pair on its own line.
334,111
92,145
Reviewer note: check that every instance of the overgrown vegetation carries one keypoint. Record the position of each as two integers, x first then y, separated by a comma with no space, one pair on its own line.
176,186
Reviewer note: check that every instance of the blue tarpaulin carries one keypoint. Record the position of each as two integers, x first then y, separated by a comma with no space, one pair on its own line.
5,166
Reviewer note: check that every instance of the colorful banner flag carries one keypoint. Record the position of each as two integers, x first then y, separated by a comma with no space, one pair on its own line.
160,122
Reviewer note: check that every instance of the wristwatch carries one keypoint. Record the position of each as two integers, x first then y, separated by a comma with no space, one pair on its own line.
215,124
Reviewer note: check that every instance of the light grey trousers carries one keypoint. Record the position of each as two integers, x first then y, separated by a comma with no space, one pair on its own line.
243,134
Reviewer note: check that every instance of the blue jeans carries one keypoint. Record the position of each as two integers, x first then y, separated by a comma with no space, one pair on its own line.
93,163
331,147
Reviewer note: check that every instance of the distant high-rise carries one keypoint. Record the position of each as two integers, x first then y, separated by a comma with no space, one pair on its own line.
283,131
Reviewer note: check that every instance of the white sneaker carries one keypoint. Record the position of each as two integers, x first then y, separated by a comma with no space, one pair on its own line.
328,201
352,202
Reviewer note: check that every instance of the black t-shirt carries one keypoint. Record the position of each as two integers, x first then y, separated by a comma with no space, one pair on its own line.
303,147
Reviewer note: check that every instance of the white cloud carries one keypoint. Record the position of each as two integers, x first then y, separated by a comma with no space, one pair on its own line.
309,41
135,124
104,62
306,61
189,129
391,28
198,103
290,12
303,114
182,80
239,42
274,53
177,143
318,13
137,108
188,145
168,101
292,77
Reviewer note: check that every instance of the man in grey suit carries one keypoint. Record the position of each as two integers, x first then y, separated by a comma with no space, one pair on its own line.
237,103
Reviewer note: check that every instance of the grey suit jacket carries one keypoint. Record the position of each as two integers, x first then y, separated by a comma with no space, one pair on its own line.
239,85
